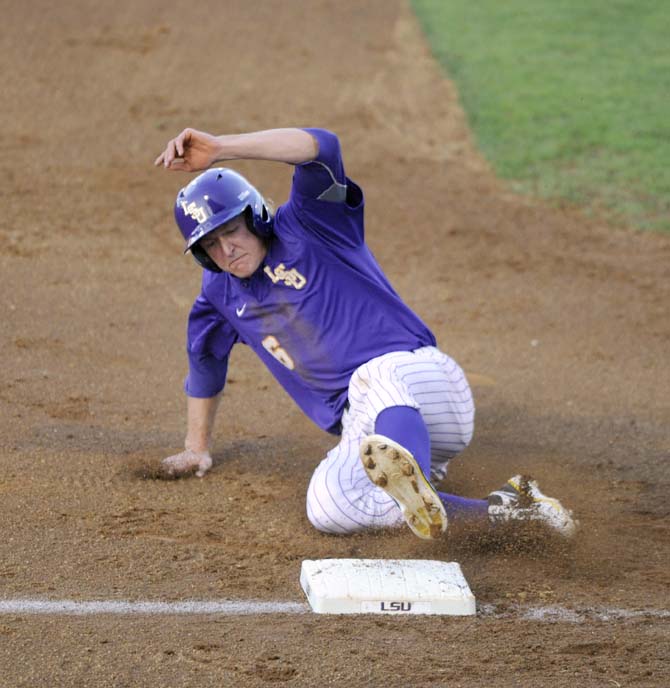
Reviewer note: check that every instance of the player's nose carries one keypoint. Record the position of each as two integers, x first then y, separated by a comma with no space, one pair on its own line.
226,246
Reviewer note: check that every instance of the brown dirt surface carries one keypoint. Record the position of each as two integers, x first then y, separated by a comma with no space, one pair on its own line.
561,321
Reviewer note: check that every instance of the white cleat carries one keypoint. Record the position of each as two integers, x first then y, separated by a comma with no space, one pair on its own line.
520,499
390,466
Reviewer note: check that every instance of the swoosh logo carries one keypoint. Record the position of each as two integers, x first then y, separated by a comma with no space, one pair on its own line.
240,311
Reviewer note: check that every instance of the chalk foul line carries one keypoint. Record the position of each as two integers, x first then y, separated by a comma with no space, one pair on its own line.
193,607
546,614
557,614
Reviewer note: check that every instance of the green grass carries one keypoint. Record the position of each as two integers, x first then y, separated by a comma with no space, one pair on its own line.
568,98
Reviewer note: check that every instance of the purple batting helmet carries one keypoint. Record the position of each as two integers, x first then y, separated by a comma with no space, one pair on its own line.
210,200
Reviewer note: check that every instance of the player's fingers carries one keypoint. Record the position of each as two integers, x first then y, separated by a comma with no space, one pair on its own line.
186,462
169,153
168,466
178,464
204,465
179,164
158,161
181,141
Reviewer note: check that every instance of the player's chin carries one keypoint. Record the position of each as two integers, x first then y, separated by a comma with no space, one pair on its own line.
242,268
240,274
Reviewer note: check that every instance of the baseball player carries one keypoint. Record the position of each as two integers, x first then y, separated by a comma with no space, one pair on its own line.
302,289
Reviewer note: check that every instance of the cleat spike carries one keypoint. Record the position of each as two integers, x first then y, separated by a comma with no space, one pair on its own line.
435,531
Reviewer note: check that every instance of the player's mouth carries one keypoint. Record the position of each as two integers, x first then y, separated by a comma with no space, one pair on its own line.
240,267
235,261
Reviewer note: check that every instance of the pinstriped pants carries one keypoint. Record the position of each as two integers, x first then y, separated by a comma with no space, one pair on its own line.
341,498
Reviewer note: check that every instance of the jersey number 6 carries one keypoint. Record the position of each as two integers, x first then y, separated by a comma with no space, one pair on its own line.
271,344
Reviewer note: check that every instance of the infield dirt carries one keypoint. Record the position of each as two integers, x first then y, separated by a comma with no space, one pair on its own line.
560,321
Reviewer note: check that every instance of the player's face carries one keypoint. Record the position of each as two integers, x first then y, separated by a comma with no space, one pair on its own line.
234,248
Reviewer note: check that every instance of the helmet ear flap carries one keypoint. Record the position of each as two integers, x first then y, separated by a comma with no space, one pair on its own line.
259,223
266,220
202,258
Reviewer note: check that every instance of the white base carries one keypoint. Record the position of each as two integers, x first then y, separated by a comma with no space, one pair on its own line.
386,586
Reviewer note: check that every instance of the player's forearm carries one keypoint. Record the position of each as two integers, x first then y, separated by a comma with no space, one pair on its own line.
293,146
201,414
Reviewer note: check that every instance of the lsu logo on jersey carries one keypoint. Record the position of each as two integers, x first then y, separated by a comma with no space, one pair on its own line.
291,278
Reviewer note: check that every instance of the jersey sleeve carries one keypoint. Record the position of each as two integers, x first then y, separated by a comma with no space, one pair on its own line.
324,200
209,341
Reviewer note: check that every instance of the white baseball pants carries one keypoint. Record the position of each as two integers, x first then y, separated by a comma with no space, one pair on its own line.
341,498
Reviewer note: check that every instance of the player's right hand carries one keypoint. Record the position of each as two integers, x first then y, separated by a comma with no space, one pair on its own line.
190,151
186,462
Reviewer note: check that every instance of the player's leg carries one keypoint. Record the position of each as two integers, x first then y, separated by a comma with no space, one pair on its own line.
401,429
450,420
343,496
445,411
442,393
340,497
414,396
406,426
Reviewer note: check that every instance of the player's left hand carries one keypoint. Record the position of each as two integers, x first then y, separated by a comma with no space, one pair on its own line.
189,151
186,462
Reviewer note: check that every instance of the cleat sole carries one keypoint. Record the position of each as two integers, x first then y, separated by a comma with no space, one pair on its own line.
392,468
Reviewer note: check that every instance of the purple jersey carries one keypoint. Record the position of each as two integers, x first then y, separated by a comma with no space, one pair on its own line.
316,309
